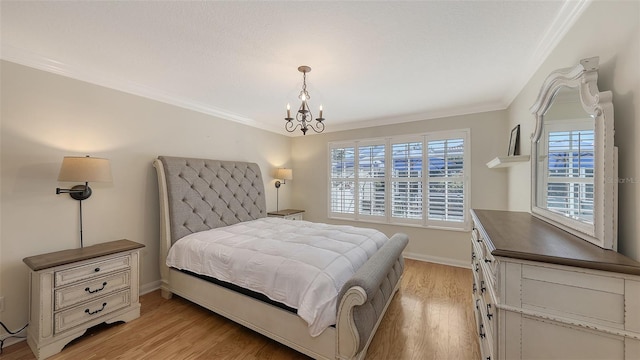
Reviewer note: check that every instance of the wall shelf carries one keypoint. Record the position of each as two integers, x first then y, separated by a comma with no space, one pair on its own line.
506,161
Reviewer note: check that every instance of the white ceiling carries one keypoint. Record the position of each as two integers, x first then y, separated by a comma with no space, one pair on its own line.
372,63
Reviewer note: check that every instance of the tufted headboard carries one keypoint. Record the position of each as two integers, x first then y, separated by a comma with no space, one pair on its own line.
205,194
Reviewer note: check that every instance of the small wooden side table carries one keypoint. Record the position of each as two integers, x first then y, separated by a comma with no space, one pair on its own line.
287,214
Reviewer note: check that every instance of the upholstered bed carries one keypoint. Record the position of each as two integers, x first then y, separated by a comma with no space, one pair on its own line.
197,195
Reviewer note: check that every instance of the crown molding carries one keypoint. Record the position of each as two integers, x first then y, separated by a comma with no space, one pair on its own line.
36,61
394,120
562,23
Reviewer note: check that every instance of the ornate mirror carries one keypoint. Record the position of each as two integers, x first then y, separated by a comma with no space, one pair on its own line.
573,159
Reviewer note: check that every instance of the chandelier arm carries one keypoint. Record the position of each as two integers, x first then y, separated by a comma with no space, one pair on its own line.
319,125
290,126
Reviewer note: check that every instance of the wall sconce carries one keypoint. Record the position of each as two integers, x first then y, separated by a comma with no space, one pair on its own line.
82,169
284,174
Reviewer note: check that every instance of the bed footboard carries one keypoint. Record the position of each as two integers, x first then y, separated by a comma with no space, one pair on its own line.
366,296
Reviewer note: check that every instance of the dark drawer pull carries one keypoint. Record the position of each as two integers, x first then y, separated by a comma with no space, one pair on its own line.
477,305
473,255
87,289
477,267
487,260
482,334
97,311
96,269
489,314
475,288
482,287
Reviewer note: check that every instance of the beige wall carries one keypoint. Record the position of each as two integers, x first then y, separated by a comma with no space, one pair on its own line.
611,31
46,116
488,186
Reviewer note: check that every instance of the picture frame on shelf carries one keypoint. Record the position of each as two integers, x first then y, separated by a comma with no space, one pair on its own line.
514,141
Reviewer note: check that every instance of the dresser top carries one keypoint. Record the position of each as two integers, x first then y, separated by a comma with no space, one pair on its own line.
520,235
45,261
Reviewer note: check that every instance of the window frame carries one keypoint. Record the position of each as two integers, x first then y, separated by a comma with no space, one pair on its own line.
464,178
359,180
401,220
389,179
340,215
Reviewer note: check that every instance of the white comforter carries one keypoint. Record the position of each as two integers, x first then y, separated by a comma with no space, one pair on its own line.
298,263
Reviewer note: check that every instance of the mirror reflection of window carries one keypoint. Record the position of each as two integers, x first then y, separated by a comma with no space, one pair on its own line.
569,173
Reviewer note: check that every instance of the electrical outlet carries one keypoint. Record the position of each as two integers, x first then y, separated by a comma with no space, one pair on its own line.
1,303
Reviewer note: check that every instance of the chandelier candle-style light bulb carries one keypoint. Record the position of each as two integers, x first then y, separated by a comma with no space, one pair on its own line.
304,117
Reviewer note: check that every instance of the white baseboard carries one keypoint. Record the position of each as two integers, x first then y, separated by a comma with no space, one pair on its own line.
438,260
149,287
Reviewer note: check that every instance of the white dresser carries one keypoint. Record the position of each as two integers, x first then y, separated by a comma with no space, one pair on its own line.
542,293
73,290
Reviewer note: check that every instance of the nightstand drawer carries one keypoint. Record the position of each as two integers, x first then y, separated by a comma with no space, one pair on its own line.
94,269
86,291
294,217
78,315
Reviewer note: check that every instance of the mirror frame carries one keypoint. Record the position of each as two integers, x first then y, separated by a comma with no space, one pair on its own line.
583,78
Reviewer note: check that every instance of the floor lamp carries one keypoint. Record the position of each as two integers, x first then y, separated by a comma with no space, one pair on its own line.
284,174
82,169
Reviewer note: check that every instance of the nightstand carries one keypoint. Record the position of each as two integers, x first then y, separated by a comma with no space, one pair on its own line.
73,290
287,214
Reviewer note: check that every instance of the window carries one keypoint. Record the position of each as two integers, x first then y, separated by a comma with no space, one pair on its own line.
371,180
342,180
416,180
406,181
446,179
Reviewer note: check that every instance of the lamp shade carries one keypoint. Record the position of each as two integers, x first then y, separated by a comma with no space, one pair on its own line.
284,174
85,169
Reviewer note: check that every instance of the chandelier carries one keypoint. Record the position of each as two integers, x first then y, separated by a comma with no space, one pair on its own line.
304,117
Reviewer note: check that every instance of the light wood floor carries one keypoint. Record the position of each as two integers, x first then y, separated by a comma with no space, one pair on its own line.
431,317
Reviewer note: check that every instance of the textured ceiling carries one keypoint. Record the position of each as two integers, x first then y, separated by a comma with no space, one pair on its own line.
372,62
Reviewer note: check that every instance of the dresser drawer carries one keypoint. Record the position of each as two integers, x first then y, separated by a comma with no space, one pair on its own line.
95,309
480,243
554,292
483,256
92,289
485,334
94,269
